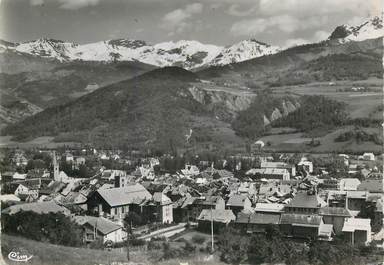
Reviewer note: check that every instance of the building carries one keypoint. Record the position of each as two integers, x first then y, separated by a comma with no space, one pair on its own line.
190,170
305,226
116,202
220,218
355,200
238,203
164,208
99,228
368,156
306,165
37,207
335,216
305,203
357,230
270,208
259,222
349,184
269,173
280,165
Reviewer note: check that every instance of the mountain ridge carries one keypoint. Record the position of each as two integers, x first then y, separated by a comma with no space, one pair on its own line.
189,54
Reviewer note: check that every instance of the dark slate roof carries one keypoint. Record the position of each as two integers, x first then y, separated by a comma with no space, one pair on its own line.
264,218
335,211
301,219
305,200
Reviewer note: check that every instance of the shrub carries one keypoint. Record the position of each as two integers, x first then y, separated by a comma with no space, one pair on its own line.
198,239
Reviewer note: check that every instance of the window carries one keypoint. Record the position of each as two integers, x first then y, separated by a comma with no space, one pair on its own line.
122,209
115,211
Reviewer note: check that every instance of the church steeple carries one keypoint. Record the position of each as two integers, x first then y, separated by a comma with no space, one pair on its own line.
56,171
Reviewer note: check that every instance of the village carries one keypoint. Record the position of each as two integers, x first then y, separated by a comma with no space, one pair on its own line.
120,197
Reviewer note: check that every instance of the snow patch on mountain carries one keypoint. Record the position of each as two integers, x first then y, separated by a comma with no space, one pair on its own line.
370,29
188,54
244,50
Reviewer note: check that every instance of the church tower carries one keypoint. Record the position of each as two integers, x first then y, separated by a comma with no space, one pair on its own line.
56,171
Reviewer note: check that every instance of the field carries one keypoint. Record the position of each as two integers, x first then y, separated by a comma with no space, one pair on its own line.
358,105
48,254
39,142
298,142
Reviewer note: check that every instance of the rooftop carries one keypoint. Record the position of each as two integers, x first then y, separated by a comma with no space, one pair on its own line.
37,207
125,195
269,207
237,200
263,218
335,211
218,215
305,200
352,224
101,224
301,219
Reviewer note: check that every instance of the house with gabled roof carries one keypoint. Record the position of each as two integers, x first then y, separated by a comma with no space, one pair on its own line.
238,203
357,230
158,209
116,202
220,218
99,228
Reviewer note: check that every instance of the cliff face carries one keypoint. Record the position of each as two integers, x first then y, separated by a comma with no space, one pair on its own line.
287,106
233,101
227,103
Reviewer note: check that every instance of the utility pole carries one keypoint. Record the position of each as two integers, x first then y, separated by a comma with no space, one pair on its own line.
128,234
212,248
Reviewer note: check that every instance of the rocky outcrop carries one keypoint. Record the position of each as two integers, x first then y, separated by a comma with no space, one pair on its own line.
232,101
287,106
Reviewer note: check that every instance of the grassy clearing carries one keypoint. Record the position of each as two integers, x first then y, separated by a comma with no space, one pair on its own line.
49,254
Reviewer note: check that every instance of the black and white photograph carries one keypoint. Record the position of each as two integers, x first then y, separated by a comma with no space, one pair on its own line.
187,132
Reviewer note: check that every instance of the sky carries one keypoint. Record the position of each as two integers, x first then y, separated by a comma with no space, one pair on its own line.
220,22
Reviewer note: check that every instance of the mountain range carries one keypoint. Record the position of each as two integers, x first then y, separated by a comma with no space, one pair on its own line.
188,54
113,91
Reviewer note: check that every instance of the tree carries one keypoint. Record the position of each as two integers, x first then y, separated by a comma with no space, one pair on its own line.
232,245
132,218
54,228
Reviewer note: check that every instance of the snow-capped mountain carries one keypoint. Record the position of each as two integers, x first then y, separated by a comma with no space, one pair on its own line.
370,29
243,51
185,53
